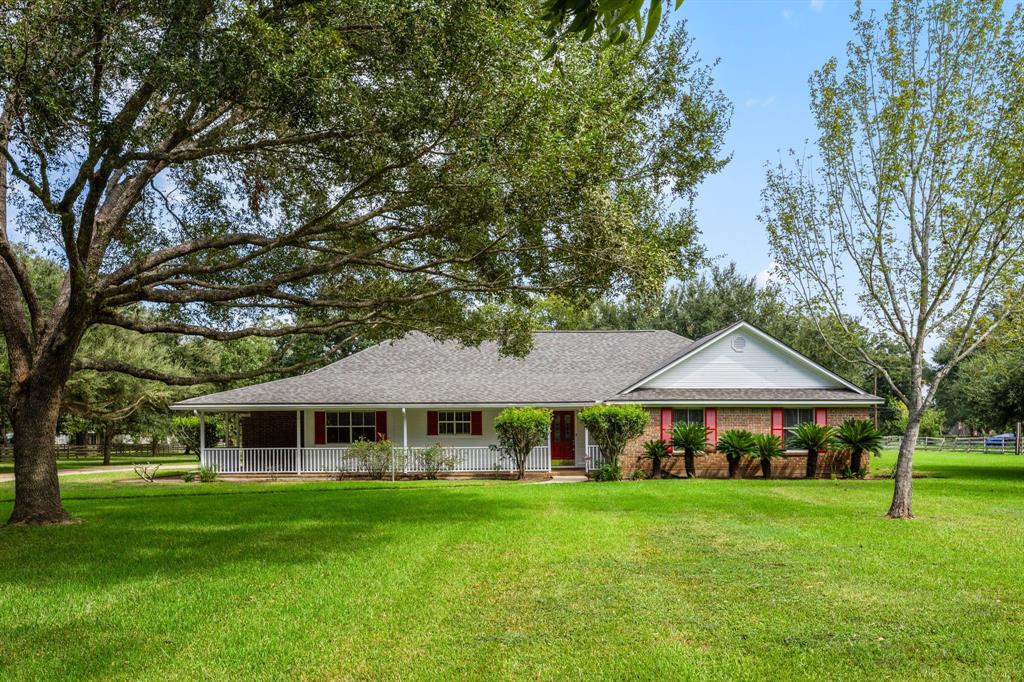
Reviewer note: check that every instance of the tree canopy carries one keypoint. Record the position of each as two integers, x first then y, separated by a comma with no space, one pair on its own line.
340,171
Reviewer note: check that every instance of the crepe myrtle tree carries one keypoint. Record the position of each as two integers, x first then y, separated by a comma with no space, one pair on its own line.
613,426
520,430
324,170
910,211
612,22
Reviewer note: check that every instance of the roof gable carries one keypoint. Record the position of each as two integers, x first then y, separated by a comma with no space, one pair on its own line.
741,356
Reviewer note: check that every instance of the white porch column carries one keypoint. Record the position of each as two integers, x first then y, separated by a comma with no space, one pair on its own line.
405,436
549,447
586,447
298,442
202,439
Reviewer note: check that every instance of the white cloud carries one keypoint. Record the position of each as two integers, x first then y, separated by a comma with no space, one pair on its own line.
759,102
770,275
817,5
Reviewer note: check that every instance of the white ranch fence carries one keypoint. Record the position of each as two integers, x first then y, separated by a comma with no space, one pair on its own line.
338,460
958,443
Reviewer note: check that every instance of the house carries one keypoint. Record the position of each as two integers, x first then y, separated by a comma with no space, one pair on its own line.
417,391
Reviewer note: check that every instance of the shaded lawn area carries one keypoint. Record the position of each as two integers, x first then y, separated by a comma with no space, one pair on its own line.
69,463
657,579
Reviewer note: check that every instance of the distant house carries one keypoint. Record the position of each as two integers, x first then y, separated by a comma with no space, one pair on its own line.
417,392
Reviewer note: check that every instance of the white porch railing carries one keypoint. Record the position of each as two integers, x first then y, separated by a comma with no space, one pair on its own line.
594,458
331,460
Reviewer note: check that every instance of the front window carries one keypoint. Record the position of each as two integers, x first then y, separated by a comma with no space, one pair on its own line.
348,427
454,423
793,417
688,416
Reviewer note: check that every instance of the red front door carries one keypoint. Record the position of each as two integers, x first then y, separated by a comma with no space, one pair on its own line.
563,439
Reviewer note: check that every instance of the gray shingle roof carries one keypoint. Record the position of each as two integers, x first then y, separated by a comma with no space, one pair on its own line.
564,367
739,395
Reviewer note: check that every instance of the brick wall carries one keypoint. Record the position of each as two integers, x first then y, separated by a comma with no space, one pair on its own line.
753,419
269,430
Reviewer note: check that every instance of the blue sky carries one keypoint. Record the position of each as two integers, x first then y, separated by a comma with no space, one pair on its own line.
767,50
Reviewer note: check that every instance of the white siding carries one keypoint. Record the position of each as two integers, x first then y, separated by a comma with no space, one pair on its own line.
760,365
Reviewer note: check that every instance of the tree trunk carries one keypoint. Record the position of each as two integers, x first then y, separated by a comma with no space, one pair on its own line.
902,494
107,437
855,462
35,407
766,467
656,468
521,466
734,467
691,470
812,464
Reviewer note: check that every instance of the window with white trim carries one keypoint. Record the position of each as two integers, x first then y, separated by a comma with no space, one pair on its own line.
688,416
795,416
454,423
349,427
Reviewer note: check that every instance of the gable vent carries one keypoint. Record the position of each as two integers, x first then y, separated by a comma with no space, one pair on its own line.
739,344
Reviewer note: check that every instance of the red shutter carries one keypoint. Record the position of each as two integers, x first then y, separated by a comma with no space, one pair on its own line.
666,426
320,430
476,423
711,424
821,416
431,423
777,424
382,425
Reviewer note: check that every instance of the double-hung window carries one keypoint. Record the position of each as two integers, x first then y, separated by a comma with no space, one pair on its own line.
688,416
794,416
454,423
349,427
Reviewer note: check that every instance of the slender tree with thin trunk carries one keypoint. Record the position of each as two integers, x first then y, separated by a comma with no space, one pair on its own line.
323,169
909,215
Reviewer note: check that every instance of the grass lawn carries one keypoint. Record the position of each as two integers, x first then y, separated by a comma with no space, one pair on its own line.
670,579
69,463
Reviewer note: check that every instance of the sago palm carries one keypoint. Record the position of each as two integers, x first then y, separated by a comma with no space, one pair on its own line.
766,448
859,436
657,451
692,440
813,438
736,444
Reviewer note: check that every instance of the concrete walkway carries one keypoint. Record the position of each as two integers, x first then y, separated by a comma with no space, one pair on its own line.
128,468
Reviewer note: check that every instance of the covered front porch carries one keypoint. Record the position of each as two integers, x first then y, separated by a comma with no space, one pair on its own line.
317,441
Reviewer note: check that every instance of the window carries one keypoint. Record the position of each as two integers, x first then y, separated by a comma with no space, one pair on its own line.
454,423
688,416
795,416
348,427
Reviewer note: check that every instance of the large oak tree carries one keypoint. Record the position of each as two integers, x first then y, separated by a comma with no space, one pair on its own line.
323,169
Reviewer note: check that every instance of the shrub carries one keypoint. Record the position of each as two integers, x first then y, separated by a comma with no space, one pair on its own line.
813,438
185,429
736,444
520,430
656,450
207,474
766,448
609,471
436,459
377,457
638,474
859,436
692,440
612,426
189,477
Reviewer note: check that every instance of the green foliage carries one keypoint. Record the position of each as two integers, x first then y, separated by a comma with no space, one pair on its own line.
690,438
189,476
377,457
519,431
767,446
933,420
612,426
207,474
859,435
736,444
614,22
436,459
607,472
656,450
811,437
